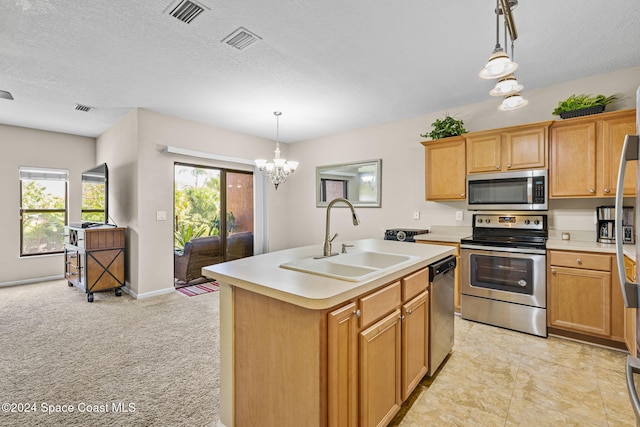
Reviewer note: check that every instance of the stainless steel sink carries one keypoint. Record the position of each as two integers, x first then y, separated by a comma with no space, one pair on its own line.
353,267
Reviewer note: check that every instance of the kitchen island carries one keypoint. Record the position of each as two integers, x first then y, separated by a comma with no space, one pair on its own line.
292,343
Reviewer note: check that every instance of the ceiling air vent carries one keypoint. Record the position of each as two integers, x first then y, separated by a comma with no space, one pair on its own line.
241,38
84,108
185,10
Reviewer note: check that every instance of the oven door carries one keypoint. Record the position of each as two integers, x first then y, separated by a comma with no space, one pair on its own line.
504,276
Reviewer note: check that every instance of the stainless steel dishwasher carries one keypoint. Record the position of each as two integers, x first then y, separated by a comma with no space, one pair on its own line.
441,277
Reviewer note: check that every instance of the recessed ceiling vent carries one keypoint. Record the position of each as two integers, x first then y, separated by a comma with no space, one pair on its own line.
185,10
241,38
83,108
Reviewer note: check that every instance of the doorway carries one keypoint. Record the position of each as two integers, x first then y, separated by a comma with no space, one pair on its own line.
208,200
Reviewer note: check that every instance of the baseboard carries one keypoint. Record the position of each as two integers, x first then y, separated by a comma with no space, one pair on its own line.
149,294
29,281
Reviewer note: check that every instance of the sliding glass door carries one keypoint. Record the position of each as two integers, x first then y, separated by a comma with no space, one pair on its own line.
208,200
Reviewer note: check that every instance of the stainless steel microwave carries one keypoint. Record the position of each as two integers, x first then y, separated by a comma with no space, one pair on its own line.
522,191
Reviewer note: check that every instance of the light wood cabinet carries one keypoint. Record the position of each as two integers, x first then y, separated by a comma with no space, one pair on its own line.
508,149
584,295
343,366
415,343
367,383
585,155
445,169
630,313
380,366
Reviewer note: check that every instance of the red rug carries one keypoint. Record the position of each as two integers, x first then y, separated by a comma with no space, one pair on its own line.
202,288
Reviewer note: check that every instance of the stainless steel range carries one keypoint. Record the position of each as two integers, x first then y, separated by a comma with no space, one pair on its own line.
503,281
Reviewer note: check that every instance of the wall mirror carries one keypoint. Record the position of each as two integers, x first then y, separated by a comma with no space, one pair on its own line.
358,182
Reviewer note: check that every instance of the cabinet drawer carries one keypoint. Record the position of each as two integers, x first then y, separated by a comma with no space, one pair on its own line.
379,303
580,260
414,284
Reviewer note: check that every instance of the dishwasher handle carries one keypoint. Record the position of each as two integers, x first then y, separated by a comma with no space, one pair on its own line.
442,267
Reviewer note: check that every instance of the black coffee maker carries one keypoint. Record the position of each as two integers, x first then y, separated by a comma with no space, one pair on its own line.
607,224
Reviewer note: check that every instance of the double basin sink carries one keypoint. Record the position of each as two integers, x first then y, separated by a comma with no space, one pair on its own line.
354,266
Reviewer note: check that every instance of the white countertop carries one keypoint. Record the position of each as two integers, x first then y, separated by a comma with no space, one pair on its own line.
441,233
590,246
262,274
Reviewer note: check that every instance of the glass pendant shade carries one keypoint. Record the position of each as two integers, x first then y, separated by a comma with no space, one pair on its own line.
513,102
499,65
507,85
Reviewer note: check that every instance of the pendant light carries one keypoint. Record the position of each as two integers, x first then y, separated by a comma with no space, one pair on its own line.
279,169
499,64
513,102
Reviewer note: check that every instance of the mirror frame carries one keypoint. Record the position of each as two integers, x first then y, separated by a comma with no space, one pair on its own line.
335,169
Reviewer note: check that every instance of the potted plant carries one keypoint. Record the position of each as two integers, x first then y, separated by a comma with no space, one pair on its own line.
582,105
443,128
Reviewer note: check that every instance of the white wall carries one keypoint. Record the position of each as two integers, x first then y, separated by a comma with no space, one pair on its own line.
30,147
142,178
398,145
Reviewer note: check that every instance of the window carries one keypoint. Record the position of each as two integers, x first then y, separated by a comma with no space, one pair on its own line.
43,210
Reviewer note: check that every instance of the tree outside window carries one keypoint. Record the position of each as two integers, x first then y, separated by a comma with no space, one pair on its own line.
43,210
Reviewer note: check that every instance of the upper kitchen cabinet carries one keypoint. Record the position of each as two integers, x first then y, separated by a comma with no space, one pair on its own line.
508,149
585,155
445,169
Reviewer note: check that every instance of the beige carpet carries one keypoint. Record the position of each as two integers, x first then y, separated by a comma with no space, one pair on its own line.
158,357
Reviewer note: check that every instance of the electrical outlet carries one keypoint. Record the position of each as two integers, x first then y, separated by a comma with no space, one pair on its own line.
459,215
161,216
416,214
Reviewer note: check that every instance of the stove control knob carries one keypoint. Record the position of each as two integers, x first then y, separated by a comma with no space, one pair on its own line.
536,222
527,221
479,220
487,221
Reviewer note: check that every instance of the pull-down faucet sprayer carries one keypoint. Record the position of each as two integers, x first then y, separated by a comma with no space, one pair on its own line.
326,250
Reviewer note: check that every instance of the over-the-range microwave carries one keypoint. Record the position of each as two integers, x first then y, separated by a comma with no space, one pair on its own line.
523,191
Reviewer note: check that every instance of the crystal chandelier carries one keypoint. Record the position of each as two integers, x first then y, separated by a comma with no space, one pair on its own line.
279,169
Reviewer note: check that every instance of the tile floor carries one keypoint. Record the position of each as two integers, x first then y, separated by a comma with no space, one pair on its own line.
497,377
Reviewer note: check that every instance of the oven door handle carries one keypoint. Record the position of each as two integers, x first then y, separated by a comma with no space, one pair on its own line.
629,289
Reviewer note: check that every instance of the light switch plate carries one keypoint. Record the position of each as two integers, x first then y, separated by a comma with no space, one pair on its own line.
416,214
161,216
459,215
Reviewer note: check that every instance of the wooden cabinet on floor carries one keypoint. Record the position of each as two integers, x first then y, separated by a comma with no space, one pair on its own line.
508,149
351,365
585,155
95,259
445,169
584,295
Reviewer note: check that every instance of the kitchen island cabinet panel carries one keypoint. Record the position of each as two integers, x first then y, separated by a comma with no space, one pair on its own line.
343,367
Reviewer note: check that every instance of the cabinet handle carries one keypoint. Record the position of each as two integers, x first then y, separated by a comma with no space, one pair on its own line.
497,166
402,317
579,261
508,166
591,190
606,190
462,195
553,271
409,311
357,312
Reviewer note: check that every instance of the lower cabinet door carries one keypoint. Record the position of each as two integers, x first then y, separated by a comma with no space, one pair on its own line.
380,376
580,300
343,367
415,344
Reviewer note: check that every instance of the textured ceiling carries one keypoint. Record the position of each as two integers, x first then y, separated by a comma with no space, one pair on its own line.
329,65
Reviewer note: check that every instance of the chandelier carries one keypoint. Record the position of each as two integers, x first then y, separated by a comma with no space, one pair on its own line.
500,66
279,169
